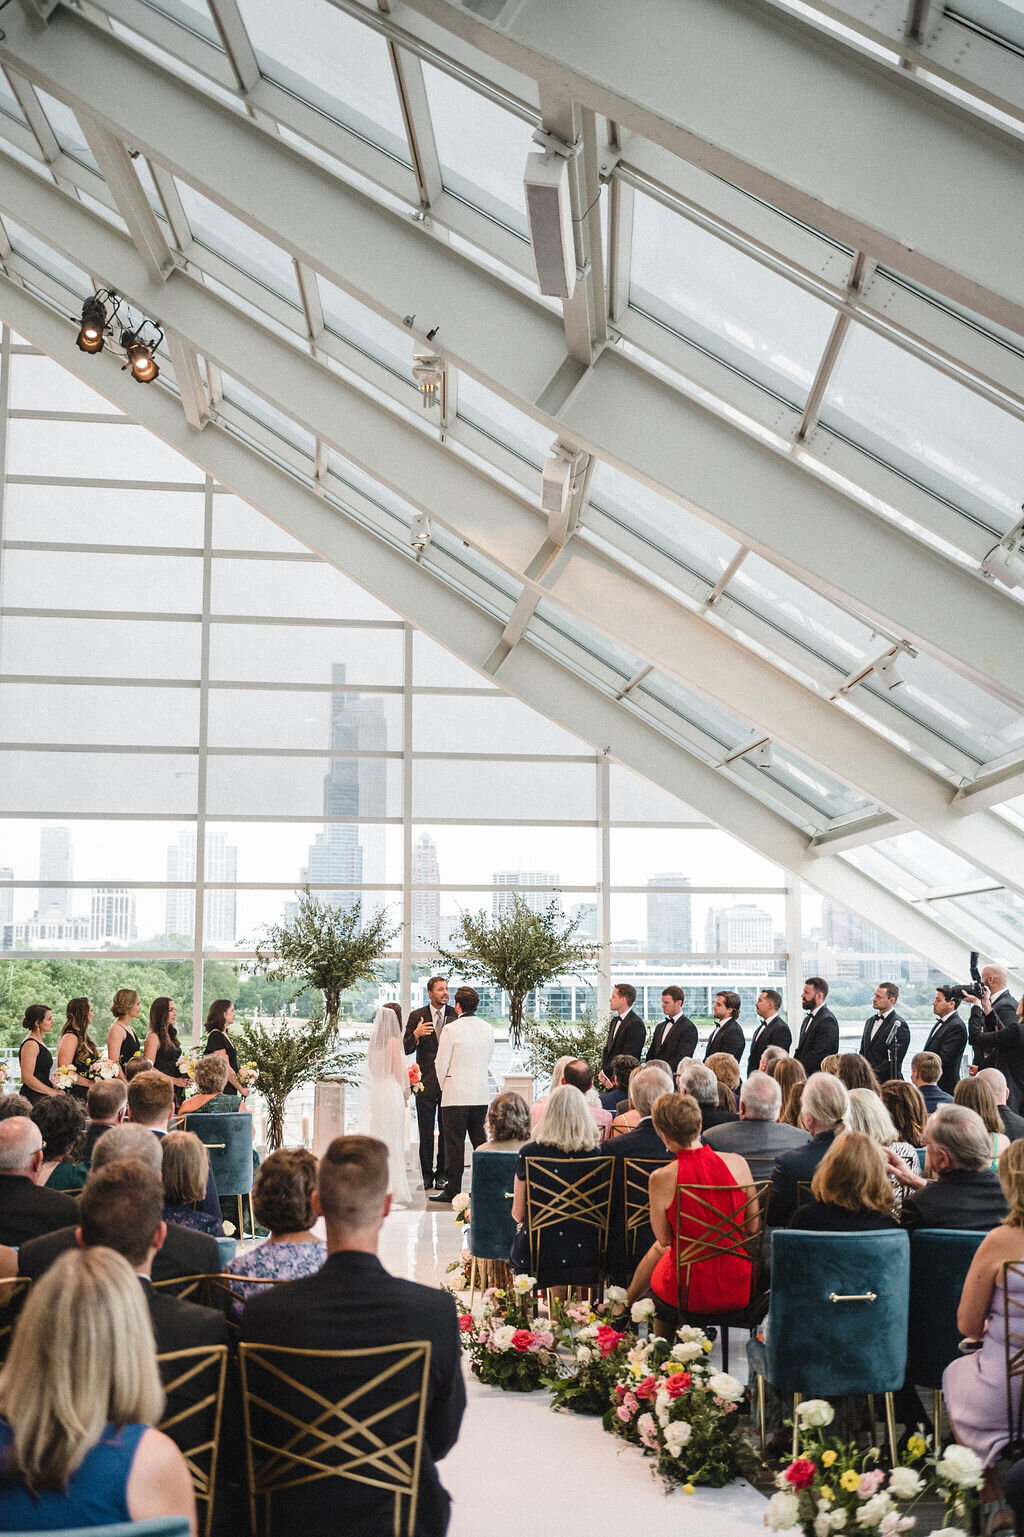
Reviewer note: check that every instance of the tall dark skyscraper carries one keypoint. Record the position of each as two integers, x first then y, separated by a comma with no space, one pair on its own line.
346,853
669,916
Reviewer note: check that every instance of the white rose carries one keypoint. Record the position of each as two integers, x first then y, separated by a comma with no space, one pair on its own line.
460,1202
690,1335
724,1386
782,1512
894,1523
872,1510
524,1283
583,1355
904,1483
677,1433
815,1413
639,1354
616,1294
687,1351
501,1339
822,1526
837,1520
642,1310
960,1466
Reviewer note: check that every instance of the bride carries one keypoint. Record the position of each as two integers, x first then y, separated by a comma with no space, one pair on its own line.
384,1096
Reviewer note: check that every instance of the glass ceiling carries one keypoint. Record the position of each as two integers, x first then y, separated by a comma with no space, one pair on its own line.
709,306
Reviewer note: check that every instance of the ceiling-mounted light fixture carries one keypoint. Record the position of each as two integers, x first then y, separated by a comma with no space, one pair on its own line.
889,671
139,357
1005,560
136,341
428,369
94,324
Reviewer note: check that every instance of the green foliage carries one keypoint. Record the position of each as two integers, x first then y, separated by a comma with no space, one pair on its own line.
548,1039
289,1055
328,948
517,950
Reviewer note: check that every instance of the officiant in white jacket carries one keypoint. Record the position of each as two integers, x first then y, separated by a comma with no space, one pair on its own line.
463,1056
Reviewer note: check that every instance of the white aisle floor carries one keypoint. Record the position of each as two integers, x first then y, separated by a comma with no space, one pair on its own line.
518,1467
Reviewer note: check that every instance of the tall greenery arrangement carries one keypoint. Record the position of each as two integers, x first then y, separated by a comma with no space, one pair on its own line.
517,950
290,1054
549,1039
327,948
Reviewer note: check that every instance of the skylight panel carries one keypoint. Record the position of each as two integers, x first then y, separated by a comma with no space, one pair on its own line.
482,149
699,546
246,249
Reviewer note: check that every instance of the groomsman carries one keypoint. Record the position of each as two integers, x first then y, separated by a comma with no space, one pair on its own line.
676,1036
819,1033
886,1034
728,1032
626,1030
948,1038
422,1032
772,1031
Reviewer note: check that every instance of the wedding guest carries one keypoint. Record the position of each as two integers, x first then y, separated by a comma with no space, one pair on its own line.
77,1048
135,1066
151,1104
790,1076
851,1191
727,1070
211,1075
770,1056
1013,1124
79,1394
621,1067
539,1105
856,1072
925,1072
758,1136
27,1208
507,1124
105,1105
186,1168
963,1192
907,1108
162,1046
122,1042
867,1114
978,1096
580,1075
219,1043
61,1121
34,1057
697,1080
646,1086
624,1125
14,1104
567,1130
282,1198
823,1107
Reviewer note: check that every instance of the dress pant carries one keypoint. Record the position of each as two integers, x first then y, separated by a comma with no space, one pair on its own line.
428,1110
456,1121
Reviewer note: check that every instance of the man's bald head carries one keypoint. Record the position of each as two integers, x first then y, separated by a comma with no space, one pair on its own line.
996,1082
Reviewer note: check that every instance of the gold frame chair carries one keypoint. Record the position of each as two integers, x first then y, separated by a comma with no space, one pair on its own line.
12,1296
636,1200
189,1364
187,1288
1013,1346
586,1199
181,1124
724,1234
335,1426
220,1291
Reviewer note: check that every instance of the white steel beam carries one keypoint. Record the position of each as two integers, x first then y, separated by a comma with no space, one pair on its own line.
413,591
515,346
116,167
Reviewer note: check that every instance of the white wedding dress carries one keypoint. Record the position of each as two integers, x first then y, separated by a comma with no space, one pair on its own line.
386,1117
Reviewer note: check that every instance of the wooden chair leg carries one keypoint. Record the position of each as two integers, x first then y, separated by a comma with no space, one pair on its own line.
796,1426
890,1420
760,1412
472,1280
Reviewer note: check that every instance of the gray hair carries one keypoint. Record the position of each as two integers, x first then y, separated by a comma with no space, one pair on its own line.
961,1135
996,1082
567,1122
20,1141
136,1142
647,1083
773,1054
825,1098
761,1098
699,1081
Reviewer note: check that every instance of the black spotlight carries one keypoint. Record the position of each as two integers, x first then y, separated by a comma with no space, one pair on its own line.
94,321
140,357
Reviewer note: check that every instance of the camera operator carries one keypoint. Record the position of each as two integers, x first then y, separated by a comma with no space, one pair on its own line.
949,1035
994,1031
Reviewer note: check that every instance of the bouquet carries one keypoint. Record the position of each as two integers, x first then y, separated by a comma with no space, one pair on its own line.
103,1068
460,1206
5,1073
456,1280
247,1074
504,1347
832,1487
64,1077
668,1400
415,1081
187,1063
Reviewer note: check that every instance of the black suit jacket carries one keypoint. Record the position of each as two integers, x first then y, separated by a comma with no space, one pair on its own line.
727,1037
885,1056
629,1039
642,1143
426,1047
793,1169
28,1210
353,1302
1013,1124
998,1042
181,1325
947,1040
672,1041
818,1041
776,1033
963,1198
185,1252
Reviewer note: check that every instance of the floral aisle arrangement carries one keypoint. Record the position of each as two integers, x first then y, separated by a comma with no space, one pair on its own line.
832,1487
506,1347
596,1342
460,1206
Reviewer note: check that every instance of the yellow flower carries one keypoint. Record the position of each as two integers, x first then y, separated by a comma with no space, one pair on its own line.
827,1459
687,1488
849,1480
825,1491
707,1347
638,1369
916,1447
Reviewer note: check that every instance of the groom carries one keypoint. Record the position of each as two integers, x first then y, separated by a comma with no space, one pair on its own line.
422,1031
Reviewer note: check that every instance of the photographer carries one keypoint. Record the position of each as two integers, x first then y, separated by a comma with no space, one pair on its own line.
994,1031
949,1035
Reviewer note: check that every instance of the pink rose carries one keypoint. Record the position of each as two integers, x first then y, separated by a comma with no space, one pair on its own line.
800,1473
608,1339
631,1403
649,1437
543,1338
677,1383
466,1322
623,1413
870,1482
522,1340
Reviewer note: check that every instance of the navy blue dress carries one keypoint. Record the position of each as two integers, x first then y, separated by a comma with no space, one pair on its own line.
96,1492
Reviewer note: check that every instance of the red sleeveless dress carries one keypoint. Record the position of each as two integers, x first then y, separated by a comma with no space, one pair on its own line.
719,1283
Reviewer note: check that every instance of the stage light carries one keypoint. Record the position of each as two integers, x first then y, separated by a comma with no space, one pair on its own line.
139,357
94,322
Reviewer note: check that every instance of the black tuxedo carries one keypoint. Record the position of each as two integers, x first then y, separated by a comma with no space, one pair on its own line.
885,1047
998,1042
353,1303
28,1210
626,1038
185,1252
428,1103
727,1037
672,1040
947,1040
775,1033
818,1039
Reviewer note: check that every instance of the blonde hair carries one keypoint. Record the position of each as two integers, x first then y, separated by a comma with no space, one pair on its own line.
211,1074
853,1175
677,1116
125,1000
869,1115
186,1165
790,1075
725,1068
1011,1177
830,1064
977,1095
82,1357
567,1122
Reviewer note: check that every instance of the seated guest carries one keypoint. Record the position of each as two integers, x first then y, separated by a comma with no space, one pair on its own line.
868,1114
856,1072
790,1075
621,1067
823,1107
78,1396
282,1198
580,1075
925,1072
557,1080
151,1104
106,1105
625,1124
61,1120
758,1136
727,1070
710,1282
646,1085
136,1065
14,1104
27,1208
907,1110
979,1097
566,1130
850,1190
697,1080
184,1253
507,1124
963,1191
1013,1124
186,1168
769,1056
211,1076
975,1386
830,1064
351,1303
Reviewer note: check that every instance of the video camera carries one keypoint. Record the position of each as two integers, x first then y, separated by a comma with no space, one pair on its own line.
974,986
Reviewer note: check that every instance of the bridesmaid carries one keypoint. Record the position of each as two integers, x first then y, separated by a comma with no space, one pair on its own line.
36,1061
122,1042
220,1044
162,1046
77,1047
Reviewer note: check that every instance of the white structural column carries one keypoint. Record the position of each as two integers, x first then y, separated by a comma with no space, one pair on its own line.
409,587
764,498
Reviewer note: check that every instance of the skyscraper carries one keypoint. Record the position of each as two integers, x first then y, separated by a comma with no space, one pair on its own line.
113,916
504,880
55,860
584,915
345,853
668,917
426,905
219,922
741,930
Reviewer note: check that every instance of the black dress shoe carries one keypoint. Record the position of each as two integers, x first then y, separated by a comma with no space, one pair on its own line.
440,1195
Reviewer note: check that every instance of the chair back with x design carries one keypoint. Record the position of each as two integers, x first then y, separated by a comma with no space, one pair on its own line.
12,1298
636,1207
574,1197
352,1415
187,1288
1010,1297
705,1230
229,1293
193,1381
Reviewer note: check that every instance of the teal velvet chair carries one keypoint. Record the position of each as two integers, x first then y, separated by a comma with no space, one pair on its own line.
228,1249
837,1320
939,1261
228,1140
160,1526
491,1227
